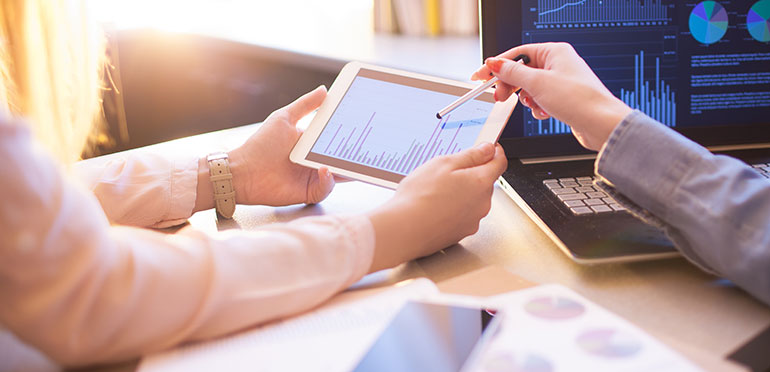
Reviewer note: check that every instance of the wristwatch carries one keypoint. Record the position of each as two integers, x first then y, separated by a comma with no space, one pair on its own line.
222,181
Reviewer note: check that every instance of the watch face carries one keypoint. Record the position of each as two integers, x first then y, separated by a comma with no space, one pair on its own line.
216,156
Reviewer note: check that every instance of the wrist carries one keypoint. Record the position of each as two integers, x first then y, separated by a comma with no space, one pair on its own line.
393,240
238,169
204,194
609,113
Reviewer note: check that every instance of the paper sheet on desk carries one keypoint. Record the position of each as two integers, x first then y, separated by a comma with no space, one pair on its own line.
550,328
331,338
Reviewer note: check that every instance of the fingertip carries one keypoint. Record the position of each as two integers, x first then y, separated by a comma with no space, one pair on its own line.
498,148
324,173
494,64
325,185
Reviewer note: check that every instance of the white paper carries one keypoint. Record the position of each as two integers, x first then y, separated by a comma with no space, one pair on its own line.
545,329
331,338
550,328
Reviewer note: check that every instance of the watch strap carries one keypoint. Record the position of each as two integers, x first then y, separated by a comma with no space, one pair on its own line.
222,182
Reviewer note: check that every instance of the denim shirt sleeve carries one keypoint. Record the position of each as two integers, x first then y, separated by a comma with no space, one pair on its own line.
715,209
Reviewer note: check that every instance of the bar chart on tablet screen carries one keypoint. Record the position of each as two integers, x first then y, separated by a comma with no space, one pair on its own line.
394,127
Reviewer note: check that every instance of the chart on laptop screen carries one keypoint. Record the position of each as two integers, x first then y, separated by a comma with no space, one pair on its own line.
684,63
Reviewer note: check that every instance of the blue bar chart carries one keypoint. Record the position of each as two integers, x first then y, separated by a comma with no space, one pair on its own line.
589,11
394,128
651,95
552,126
657,101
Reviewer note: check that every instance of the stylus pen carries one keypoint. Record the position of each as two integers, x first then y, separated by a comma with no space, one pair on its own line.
477,91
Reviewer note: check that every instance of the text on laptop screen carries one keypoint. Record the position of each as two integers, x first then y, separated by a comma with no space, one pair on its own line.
685,63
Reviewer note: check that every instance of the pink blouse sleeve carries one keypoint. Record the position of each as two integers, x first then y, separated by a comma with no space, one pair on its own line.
83,291
143,189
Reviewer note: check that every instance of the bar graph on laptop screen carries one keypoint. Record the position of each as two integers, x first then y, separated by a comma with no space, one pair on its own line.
381,126
684,63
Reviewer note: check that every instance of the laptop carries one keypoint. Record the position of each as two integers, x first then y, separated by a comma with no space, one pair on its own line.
702,68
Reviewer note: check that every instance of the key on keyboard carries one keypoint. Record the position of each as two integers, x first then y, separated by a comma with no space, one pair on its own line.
763,169
581,196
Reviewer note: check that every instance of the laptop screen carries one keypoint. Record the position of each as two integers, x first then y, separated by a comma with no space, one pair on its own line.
702,68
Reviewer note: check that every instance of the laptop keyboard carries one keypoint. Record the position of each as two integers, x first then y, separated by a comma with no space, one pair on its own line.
763,169
581,197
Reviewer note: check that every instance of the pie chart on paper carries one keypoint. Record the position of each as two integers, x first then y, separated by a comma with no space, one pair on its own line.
708,22
554,308
758,21
608,343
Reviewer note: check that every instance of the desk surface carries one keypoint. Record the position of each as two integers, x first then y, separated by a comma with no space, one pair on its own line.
671,299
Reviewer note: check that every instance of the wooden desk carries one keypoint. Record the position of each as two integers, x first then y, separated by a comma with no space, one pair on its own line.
671,299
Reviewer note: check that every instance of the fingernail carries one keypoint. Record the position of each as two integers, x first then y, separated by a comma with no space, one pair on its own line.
494,64
542,113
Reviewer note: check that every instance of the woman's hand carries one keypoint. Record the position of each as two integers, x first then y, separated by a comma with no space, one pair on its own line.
438,204
558,83
262,171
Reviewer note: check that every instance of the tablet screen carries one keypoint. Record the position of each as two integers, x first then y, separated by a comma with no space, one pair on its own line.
427,337
385,126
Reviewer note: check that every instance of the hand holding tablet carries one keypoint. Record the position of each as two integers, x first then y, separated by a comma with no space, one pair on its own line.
378,124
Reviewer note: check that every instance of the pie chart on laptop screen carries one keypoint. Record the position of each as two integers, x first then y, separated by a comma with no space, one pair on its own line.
708,22
758,21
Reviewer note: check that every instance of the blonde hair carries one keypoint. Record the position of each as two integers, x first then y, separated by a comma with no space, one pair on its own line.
51,62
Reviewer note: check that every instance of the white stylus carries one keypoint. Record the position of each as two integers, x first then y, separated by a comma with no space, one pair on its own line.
475,92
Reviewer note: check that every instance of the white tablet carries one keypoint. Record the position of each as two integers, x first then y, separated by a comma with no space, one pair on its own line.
378,124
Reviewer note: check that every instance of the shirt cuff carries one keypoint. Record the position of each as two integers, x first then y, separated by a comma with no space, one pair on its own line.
647,161
183,183
642,165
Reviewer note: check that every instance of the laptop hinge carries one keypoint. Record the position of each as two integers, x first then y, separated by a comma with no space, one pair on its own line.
748,146
558,159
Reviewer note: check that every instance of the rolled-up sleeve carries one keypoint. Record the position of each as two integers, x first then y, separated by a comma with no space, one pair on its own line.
84,291
143,188
715,208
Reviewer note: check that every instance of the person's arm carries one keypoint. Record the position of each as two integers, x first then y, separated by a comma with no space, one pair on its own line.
159,190
83,291
715,208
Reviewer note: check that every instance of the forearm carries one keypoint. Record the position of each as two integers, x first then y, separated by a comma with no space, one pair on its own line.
715,208
129,291
84,291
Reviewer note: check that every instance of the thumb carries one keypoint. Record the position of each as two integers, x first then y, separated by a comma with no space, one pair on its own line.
305,104
515,74
319,186
472,157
